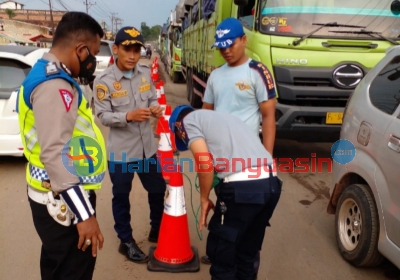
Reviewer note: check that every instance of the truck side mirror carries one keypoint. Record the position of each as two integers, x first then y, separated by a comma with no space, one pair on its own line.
395,7
241,2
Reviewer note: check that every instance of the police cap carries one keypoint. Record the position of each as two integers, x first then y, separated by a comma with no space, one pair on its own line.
128,36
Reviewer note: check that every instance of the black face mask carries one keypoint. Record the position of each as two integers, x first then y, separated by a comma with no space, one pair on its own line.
87,67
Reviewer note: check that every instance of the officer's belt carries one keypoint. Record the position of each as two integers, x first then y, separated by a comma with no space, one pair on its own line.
39,196
41,175
251,173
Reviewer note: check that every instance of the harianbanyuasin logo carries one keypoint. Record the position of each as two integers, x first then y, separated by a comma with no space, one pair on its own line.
82,156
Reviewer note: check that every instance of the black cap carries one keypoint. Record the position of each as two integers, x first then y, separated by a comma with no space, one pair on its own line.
128,36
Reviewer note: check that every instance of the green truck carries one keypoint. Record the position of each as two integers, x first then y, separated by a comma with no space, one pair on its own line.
318,52
173,43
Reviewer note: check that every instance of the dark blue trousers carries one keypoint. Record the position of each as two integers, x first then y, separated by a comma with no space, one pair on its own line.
121,175
233,247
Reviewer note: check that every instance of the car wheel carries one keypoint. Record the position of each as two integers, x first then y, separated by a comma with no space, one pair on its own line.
357,227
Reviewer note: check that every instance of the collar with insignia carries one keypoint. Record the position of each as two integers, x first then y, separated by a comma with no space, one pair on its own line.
65,68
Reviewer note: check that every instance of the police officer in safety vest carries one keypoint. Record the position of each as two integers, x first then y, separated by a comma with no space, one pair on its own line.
65,150
125,98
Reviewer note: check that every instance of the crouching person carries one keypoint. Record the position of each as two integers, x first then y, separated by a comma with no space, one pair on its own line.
247,194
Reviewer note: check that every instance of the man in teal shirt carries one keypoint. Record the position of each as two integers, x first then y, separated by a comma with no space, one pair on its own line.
242,87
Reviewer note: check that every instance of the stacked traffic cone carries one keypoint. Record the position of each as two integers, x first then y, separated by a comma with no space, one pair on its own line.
162,87
167,115
165,154
155,73
158,90
173,252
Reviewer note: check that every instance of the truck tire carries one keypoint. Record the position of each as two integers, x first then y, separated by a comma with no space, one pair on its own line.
175,77
357,227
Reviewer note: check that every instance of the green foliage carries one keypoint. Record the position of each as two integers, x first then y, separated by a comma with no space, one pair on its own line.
150,34
11,13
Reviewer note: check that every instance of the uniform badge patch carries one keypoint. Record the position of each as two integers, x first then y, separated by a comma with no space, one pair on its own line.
144,81
119,94
144,88
132,32
67,97
101,91
242,86
117,85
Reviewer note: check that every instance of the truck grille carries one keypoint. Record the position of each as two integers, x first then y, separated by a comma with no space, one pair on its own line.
306,86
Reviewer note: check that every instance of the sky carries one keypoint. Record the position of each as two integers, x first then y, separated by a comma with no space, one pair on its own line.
132,12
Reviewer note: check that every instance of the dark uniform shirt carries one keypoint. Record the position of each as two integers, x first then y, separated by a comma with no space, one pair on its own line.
115,95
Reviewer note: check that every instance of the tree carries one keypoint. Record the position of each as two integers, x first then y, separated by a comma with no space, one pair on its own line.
150,34
145,30
11,13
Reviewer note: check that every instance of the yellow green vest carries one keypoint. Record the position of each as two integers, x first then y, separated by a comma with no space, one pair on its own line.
85,128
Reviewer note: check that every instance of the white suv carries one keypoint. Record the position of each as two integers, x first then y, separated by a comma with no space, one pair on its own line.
15,64
105,57
366,183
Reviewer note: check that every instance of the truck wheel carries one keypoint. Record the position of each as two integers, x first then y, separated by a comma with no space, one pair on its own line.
175,77
357,227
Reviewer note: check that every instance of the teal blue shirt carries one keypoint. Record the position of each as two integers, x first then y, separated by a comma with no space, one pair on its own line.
239,91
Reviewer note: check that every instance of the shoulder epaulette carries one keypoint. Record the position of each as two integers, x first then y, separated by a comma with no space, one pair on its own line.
265,75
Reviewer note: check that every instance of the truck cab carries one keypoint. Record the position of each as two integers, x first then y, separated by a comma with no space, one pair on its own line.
317,51
173,45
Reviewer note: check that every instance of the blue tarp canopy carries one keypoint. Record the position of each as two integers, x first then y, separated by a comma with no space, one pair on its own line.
208,8
164,29
195,12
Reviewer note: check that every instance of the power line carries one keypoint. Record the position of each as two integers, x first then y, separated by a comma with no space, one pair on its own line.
117,22
88,5
51,19
113,18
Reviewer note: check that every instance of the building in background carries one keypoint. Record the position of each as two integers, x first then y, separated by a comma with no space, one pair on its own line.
11,5
37,17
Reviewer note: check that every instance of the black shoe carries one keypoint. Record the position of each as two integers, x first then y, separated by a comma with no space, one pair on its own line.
153,235
205,260
133,252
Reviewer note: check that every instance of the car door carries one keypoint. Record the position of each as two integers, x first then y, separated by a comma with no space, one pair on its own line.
13,73
103,57
385,96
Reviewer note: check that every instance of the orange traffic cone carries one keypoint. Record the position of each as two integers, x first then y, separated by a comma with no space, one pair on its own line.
163,102
165,154
158,90
167,115
173,252
162,87
154,71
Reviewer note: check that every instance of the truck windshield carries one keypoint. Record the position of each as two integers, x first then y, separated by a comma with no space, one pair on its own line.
295,18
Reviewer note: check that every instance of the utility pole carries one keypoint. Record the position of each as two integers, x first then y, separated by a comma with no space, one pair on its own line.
88,5
117,22
113,19
51,19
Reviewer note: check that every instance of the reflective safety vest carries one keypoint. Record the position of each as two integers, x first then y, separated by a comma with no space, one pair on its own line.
84,126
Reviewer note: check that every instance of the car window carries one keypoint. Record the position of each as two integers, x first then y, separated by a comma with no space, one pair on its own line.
13,73
384,91
104,50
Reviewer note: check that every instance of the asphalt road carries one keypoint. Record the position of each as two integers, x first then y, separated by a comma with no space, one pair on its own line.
300,244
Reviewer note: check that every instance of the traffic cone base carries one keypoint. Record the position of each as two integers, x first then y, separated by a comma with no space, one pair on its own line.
157,266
